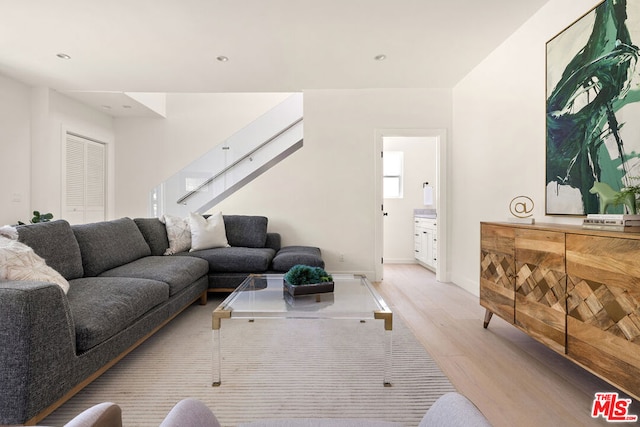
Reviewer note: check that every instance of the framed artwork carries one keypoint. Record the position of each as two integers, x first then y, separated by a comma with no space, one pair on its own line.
593,108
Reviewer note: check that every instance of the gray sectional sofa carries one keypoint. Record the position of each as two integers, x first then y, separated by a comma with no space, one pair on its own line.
121,290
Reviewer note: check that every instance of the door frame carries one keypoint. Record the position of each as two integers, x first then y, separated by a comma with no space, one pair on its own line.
442,272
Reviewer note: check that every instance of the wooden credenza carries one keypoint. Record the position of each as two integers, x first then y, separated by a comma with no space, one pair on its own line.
575,290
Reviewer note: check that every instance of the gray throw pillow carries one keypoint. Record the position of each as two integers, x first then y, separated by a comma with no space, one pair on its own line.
245,231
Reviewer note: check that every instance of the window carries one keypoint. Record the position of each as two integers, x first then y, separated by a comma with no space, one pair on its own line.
392,167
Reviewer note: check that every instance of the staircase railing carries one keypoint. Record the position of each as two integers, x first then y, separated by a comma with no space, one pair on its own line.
182,199
232,163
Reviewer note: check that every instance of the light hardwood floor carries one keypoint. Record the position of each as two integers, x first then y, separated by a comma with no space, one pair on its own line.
514,380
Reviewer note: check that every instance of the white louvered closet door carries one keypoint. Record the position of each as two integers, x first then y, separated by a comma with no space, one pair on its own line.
85,180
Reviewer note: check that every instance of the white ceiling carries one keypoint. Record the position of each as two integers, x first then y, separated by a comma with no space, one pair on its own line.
272,45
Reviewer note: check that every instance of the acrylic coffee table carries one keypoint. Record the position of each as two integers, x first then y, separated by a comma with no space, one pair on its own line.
264,297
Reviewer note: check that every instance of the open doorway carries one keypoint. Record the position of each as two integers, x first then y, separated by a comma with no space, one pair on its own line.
422,154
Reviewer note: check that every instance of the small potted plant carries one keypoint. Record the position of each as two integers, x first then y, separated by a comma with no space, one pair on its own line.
38,217
304,280
634,190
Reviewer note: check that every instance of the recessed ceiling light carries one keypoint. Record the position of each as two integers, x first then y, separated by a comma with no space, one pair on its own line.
222,58
126,106
106,107
380,57
63,56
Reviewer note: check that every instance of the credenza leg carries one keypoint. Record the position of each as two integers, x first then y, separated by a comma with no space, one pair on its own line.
487,318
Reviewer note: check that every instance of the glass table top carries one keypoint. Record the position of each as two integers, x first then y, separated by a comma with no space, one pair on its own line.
265,296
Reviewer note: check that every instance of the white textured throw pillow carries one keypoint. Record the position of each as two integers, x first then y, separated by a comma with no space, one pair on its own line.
207,233
19,262
179,234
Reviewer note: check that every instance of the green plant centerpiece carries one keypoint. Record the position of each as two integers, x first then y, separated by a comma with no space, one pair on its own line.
305,279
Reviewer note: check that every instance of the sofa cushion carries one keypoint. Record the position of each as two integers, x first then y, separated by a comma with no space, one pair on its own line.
246,231
289,256
103,306
55,242
207,233
273,241
237,260
109,244
177,272
155,233
178,233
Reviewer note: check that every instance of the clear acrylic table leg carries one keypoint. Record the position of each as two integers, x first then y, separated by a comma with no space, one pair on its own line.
216,359
387,316
388,357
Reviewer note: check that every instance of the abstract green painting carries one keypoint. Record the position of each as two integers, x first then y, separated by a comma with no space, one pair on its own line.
592,108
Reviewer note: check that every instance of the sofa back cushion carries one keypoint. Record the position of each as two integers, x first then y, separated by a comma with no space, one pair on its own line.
246,231
155,233
55,242
109,244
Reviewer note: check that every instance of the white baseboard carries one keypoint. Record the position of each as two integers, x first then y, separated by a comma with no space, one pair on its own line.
400,261
468,285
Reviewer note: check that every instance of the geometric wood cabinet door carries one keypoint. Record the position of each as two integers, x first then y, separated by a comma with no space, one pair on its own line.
540,286
497,271
603,307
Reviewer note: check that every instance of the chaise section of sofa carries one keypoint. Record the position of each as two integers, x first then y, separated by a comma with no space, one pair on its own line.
252,250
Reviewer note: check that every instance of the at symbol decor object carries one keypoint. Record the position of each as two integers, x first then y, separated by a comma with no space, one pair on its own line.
521,207
592,107
305,280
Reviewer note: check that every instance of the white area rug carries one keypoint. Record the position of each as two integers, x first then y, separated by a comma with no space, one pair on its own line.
271,369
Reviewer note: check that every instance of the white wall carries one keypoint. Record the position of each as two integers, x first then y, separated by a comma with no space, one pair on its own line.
498,149
15,152
324,194
420,165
